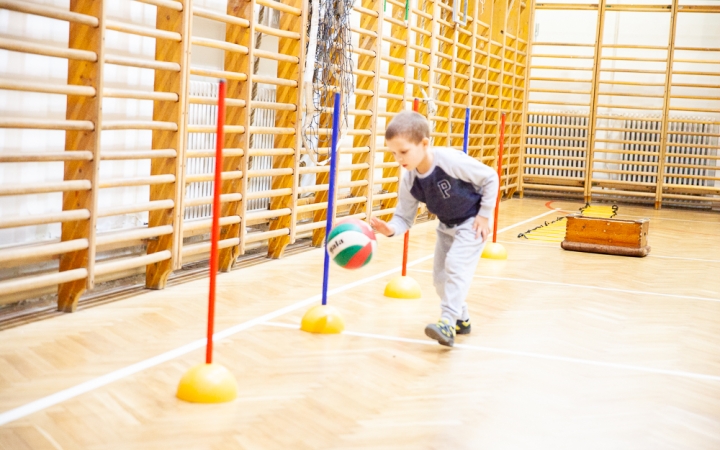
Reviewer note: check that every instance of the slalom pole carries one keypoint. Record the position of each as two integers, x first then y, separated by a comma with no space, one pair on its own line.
500,157
466,135
331,192
215,230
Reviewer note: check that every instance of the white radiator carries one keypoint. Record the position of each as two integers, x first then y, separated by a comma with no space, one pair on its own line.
207,115
689,144
556,131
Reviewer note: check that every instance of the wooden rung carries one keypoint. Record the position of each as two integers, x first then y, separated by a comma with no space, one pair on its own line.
47,50
265,235
562,44
324,187
421,13
269,194
359,133
33,282
139,125
228,129
276,56
280,7
274,81
27,253
204,247
366,11
387,196
364,92
272,130
142,63
393,40
418,83
275,32
387,180
139,181
43,188
177,6
305,227
271,151
363,32
268,214
47,88
221,45
321,169
418,65
417,48
224,198
238,76
391,96
383,212
155,205
141,95
359,112
49,12
273,106
191,226
201,177
130,155
44,219
311,207
364,52
106,268
142,30
132,235
41,124
213,101
394,21
269,172
77,155
367,73
220,17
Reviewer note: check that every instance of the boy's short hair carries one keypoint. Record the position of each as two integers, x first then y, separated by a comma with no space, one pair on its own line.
408,124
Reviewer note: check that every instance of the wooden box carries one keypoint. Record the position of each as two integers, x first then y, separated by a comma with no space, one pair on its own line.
608,236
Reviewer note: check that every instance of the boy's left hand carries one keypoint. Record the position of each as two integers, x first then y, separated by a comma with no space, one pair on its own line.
481,227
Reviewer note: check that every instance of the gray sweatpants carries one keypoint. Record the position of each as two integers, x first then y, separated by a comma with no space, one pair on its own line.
457,253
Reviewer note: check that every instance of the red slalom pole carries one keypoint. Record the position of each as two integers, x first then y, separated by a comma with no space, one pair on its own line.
406,244
215,231
500,156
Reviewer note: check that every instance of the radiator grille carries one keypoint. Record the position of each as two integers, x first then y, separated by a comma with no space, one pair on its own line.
546,150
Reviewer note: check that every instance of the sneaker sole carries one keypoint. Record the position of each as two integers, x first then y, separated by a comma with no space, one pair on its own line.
433,333
461,331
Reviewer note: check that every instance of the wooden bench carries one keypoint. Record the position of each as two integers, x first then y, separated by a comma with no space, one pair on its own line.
608,236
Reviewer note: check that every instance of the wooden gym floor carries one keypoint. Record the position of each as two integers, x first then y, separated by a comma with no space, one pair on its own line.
568,351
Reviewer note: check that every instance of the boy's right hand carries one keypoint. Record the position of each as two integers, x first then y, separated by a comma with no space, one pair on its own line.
381,227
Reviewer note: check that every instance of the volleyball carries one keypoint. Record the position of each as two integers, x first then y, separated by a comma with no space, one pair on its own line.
351,243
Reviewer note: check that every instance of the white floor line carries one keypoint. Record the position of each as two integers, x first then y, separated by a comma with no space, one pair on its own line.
676,373
90,385
586,286
557,246
82,388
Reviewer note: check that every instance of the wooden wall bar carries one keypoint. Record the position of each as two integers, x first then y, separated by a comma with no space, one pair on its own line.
403,51
637,119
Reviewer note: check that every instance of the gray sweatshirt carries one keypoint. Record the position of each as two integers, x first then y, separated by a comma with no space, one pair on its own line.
456,188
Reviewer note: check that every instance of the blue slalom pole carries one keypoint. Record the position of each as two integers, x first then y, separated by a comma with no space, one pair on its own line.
331,192
466,136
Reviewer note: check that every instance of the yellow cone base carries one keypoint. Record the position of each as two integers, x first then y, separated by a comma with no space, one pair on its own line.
403,287
493,250
322,319
207,383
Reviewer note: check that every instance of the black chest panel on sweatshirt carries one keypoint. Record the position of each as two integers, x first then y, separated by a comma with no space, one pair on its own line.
453,201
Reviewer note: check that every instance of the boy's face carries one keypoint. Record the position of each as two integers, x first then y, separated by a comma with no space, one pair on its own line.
408,154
